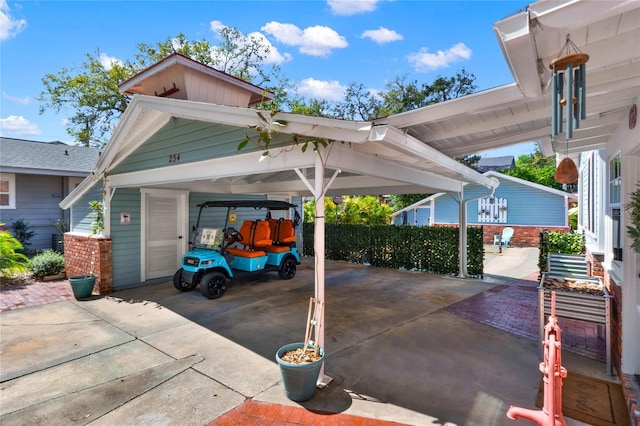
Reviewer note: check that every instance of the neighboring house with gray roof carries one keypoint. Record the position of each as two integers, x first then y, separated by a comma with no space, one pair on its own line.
34,178
496,164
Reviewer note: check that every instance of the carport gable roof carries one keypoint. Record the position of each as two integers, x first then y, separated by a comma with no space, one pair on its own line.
367,157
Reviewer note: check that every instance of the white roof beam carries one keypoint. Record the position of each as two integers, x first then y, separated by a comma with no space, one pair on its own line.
411,146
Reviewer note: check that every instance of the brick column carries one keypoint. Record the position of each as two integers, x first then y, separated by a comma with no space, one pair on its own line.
85,255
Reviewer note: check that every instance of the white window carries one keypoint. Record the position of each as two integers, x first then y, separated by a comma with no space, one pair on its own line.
588,178
615,193
7,191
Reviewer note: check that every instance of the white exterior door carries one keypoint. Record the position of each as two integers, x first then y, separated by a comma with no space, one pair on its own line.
164,232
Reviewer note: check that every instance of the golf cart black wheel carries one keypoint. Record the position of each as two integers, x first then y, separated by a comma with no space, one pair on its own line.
213,285
181,284
287,269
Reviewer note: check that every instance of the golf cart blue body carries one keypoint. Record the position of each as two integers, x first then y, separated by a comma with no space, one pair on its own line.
218,255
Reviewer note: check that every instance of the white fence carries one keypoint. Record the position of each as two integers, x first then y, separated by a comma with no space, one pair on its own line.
492,210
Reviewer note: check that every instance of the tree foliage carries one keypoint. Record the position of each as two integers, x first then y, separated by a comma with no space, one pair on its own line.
353,210
12,261
90,91
536,168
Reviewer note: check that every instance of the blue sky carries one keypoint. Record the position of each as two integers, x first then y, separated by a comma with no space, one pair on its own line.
323,46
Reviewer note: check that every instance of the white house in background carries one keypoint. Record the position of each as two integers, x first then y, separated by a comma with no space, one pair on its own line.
525,206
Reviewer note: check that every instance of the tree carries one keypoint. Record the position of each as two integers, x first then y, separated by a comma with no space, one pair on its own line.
536,168
402,96
358,104
91,91
354,210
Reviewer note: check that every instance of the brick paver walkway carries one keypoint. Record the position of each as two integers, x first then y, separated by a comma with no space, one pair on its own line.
38,293
513,307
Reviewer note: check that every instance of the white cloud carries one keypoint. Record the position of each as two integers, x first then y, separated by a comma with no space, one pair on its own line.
318,89
352,7
424,61
382,35
314,41
108,61
216,26
15,125
23,100
271,54
9,26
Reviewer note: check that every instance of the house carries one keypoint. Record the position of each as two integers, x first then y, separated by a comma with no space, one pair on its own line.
34,178
496,164
181,151
510,205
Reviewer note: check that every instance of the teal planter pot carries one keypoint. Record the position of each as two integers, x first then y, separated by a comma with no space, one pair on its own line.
82,286
299,380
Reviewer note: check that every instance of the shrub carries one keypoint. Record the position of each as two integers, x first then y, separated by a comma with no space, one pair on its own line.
559,242
23,231
11,260
47,263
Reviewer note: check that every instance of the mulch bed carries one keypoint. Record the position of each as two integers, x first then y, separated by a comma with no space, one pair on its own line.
574,286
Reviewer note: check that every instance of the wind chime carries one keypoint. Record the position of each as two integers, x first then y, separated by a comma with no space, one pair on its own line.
568,93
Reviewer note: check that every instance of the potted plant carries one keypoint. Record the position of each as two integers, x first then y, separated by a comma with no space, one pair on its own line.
82,285
300,363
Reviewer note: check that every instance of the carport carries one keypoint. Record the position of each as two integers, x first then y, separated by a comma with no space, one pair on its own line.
306,156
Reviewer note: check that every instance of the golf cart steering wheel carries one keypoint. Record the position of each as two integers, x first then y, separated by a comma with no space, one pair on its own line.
234,234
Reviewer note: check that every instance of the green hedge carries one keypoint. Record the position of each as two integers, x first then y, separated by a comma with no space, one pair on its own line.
559,242
422,248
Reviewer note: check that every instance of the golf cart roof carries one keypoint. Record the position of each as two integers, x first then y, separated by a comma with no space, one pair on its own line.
256,204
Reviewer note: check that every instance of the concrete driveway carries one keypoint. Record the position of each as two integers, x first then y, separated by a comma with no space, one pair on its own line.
152,355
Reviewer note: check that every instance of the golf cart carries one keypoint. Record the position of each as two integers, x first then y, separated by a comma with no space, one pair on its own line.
218,255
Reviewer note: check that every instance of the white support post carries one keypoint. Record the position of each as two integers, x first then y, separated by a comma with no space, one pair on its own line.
319,250
462,236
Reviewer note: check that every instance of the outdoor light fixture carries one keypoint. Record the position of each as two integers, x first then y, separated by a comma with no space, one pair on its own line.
568,91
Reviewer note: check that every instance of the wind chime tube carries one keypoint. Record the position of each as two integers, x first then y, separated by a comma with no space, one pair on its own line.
569,101
554,104
559,91
577,91
582,100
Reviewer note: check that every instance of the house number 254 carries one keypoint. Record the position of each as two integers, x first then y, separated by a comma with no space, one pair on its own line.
174,158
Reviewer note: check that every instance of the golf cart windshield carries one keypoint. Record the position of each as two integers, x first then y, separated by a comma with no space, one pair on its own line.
210,238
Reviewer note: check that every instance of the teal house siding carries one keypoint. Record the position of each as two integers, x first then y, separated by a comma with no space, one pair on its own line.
184,141
81,216
125,246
